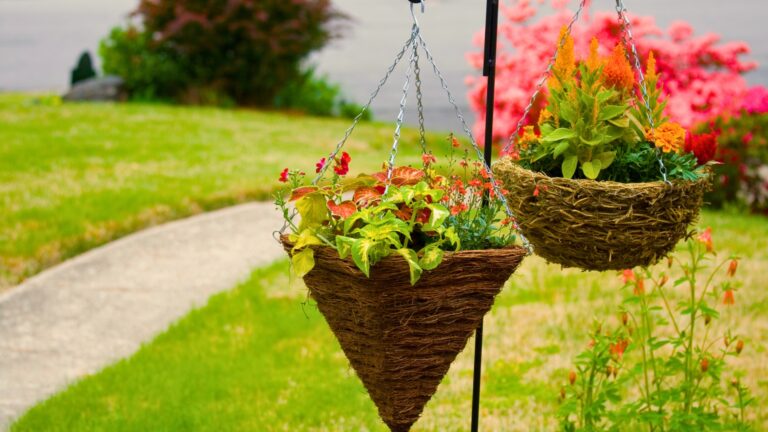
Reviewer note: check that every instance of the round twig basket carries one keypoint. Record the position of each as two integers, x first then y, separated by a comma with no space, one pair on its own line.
401,339
600,225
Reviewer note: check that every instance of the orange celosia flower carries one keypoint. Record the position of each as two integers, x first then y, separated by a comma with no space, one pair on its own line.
565,64
706,239
669,137
593,61
617,72
650,68
728,298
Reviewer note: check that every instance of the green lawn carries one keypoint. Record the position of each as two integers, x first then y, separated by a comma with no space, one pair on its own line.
255,358
75,176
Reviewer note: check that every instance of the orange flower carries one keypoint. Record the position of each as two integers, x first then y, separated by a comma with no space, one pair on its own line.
565,65
732,267
617,72
593,61
639,286
455,142
739,346
572,377
628,276
458,208
670,137
619,347
728,297
536,191
704,364
650,68
706,239
428,159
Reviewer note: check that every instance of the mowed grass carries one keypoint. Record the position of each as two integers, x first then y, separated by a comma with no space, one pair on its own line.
75,176
256,358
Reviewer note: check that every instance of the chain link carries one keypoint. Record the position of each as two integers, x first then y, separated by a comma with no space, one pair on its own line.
366,107
544,78
460,116
629,41
419,102
401,113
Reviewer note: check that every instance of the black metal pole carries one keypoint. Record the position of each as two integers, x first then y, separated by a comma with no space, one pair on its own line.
489,70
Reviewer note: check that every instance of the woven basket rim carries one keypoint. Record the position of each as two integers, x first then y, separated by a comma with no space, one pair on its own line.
601,184
510,249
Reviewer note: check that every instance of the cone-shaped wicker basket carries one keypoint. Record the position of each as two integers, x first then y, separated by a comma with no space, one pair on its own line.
600,225
401,339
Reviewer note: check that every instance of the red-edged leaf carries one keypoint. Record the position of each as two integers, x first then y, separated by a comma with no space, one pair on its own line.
406,176
402,176
365,196
343,210
299,193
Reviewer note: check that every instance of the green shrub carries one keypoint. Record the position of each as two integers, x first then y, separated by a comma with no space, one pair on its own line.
218,51
150,72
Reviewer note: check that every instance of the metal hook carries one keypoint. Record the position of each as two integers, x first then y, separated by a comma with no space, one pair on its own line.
413,14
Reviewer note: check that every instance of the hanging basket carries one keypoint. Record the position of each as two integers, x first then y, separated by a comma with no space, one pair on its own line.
401,339
600,225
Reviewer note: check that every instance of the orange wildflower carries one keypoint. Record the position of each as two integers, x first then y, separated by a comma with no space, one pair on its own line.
628,276
639,286
704,364
617,72
728,298
572,377
706,239
670,137
739,346
565,64
732,267
618,348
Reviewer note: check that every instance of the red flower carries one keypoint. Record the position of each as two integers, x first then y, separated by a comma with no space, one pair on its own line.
319,166
639,286
536,191
428,159
455,142
732,267
628,276
704,364
706,239
703,146
476,183
342,164
619,347
284,176
458,208
728,297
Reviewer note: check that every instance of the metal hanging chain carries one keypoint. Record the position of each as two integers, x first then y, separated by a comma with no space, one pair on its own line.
494,184
401,113
544,78
419,102
629,41
329,160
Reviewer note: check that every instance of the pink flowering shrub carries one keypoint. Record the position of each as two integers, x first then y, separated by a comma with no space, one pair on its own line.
700,75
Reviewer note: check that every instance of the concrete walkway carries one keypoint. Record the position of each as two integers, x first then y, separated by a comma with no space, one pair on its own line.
86,313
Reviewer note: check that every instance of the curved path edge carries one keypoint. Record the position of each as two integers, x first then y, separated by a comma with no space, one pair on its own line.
86,313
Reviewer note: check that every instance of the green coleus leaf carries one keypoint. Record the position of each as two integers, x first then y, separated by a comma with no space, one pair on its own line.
569,166
361,250
303,262
431,257
438,214
413,263
562,147
305,238
611,111
313,210
591,169
344,246
559,135
451,235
